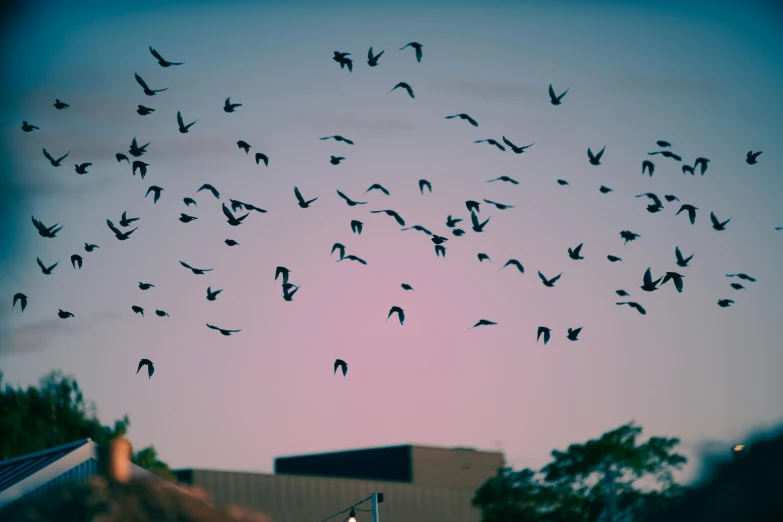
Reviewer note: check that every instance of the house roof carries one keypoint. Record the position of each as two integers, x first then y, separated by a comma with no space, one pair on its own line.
14,470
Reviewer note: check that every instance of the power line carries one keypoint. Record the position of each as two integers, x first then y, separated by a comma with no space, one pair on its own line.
349,508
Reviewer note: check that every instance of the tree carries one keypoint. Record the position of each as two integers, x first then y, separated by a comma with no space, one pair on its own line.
54,413
572,487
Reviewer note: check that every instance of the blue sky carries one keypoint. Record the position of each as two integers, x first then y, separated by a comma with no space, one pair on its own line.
700,75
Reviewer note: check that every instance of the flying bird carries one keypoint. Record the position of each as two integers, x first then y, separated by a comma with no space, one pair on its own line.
339,363
156,192
301,201
141,167
349,201
46,270
637,306
186,218
666,154
145,286
656,201
424,183
340,248
62,314
230,107
405,86
438,240
440,250
649,285
574,253
335,160
147,90
399,311
223,331
562,182
343,60
649,166
691,210
372,59
196,271
60,105
629,236
452,222
717,224
603,189
546,332
687,169
702,162
125,222
492,142
472,206
120,156
377,186
663,143
162,62
26,127
44,231
514,262
676,278
119,234
144,111
417,46
89,248
482,256
244,145
499,206
549,282
281,270
137,151
356,226
149,365
621,293
337,137
573,334
478,227
613,259
22,299
681,261
161,313
751,158
465,117
553,99
744,277
420,229
288,295
260,156
483,322
595,159
231,242
725,303
391,213
76,259
183,129
737,286
55,162
406,286
231,219
351,257
671,197
514,148
506,179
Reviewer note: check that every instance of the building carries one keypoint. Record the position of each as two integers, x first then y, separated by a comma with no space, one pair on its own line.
419,483
31,475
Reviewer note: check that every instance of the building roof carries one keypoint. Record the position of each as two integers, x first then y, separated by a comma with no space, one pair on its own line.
17,469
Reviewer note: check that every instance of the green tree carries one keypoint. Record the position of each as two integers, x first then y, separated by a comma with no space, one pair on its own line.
55,412
572,486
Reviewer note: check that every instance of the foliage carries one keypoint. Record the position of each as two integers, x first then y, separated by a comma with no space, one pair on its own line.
571,486
55,413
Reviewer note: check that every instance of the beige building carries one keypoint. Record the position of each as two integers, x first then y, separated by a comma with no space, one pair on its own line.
419,484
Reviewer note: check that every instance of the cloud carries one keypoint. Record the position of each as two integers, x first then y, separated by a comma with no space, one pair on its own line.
37,335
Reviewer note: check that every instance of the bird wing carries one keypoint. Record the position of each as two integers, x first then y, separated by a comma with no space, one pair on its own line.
648,278
156,54
298,195
474,219
113,228
714,219
471,121
552,93
179,119
144,85
505,140
212,327
346,198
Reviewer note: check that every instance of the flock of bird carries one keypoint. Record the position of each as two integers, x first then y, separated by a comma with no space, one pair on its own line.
124,231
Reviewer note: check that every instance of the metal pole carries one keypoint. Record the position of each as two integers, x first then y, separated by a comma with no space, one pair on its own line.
375,517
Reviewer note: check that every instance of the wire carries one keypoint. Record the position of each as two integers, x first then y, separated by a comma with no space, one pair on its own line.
348,509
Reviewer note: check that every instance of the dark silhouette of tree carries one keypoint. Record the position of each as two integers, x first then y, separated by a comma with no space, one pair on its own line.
54,413
573,486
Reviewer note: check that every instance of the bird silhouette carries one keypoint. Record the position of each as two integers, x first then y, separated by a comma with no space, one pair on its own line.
343,60
655,199
514,262
147,90
744,277
55,162
89,248
349,201
62,314
230,107
621,293
717,224
492,142
670,198
145,286
484,322
76,259
119,234
751,158
438,240
573,334
196,271
81,168
725,303
574,253
231,242
186,218
663,143
627,235
184,129
223,331
46,270
649,166
482,256
478,227
603,189
458,232
424,183
554,99
504,178
687,169
149,365
377,186
649,285
141,167
137,151
737,286
676,278
288,294
120,156
666,154
156,192
22,299
400,313
356,226
138,310
417,46
681,261
465,117
161,313
282,271
26,127
125,222
514,148
613,259
372,59
339,363
406,286
300,200
337,137
391,213
162,62
244,146
335,160
472,206
420,229
702,163
595,159
549,282
562,182
59,105
499,206
637,306
691,210
44,231
440,251
260,156
403,85
351,257
144,111
452,222
547,333
340,248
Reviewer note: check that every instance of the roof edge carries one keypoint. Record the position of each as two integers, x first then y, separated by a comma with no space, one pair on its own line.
69,445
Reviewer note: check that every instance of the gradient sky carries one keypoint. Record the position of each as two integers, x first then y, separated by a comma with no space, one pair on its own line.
704,76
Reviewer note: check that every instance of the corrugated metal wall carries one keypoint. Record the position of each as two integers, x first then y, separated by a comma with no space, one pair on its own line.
291,498
453,467
83,471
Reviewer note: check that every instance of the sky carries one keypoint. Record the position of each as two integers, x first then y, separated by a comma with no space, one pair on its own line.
702,76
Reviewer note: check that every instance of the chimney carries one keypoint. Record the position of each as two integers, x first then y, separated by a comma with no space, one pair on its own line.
114,460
